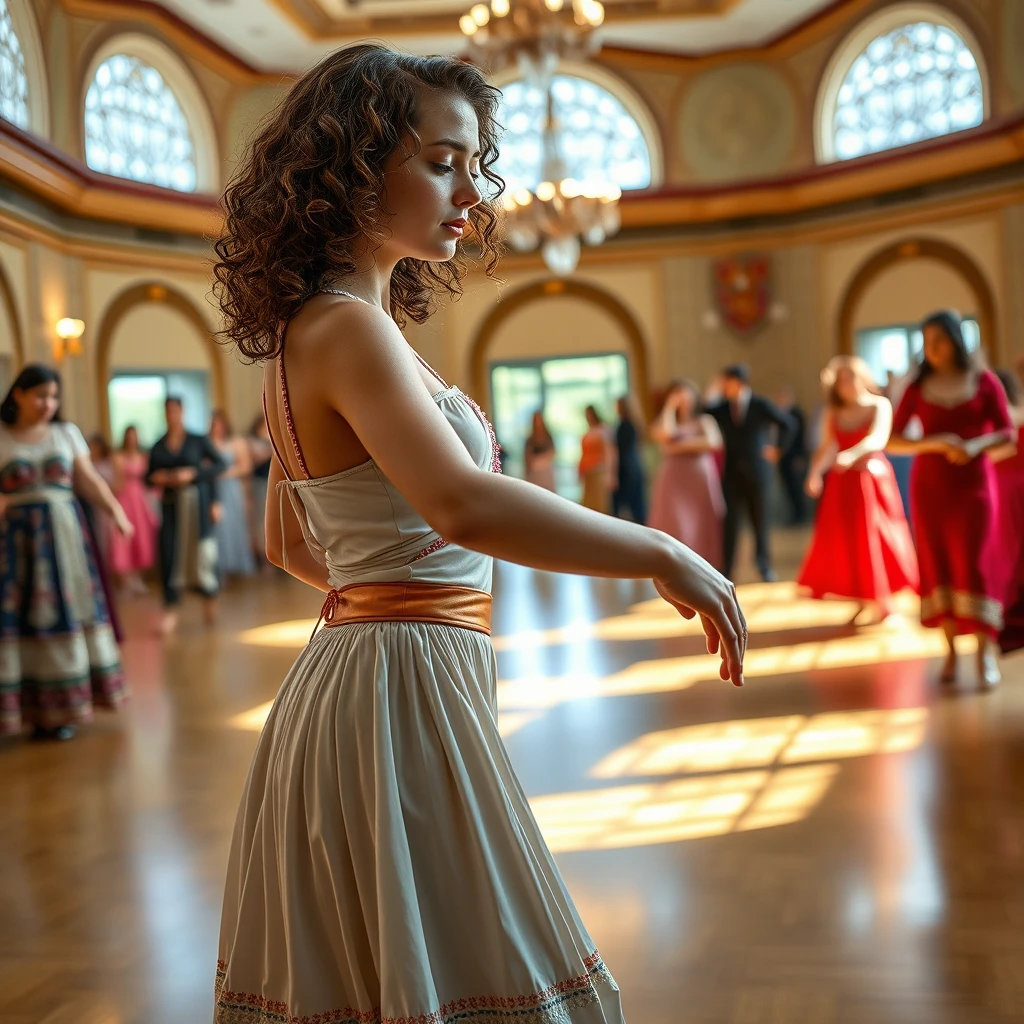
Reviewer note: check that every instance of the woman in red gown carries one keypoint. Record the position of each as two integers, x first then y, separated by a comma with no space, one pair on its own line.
861,547
1009,462
953,494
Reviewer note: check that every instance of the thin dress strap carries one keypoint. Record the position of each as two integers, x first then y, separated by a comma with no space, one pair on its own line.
289,422
431,371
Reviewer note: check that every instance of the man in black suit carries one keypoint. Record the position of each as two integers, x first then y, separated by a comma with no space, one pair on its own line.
745,420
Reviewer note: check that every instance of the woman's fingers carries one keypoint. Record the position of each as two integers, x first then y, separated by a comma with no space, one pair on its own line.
710,634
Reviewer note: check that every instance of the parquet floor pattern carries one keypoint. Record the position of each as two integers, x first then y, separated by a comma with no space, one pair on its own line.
837,843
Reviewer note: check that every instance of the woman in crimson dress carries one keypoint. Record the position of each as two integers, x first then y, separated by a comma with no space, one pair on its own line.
1009,462
861,547
953,493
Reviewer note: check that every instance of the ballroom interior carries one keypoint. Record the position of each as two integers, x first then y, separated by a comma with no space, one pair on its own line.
841,841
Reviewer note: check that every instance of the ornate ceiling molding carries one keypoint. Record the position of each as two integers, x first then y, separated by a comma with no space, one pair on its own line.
337,19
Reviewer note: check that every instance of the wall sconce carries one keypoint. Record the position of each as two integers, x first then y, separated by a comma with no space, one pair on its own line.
69,334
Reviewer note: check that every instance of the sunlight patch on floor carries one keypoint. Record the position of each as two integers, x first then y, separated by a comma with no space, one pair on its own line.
760,742
669,812
870,647
768,608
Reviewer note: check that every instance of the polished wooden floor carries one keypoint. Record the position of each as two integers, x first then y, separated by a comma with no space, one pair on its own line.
837,843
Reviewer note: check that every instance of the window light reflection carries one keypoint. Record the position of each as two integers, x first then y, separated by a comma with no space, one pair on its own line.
768,608
758,743
681,809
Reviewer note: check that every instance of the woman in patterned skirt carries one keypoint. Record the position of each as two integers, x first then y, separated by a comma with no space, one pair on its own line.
58,654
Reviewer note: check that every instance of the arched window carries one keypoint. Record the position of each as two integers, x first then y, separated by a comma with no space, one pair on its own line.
912,74
601,140
13,77
145,117
135,127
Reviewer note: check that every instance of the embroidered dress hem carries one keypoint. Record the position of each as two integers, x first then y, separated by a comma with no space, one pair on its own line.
545,1006
972,613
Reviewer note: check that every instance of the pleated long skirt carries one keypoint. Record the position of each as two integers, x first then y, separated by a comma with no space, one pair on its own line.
385,866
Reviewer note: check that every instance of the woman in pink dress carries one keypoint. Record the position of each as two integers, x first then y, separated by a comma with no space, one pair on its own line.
954,498
687,501
1009,463
132,556
861,547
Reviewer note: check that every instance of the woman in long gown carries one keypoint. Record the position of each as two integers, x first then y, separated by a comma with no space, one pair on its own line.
687,501
234,542
539,454
385,863
1009,463
130,558
597,463
963,413
58,656
861,548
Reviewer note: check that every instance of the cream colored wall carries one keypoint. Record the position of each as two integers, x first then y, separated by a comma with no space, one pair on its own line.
155,336
785,351
14,263
908,291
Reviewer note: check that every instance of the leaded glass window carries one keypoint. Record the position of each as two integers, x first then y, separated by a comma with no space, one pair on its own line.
600,140
916,82
13,80
135,127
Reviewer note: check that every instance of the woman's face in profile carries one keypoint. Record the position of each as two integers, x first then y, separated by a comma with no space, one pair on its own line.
429,194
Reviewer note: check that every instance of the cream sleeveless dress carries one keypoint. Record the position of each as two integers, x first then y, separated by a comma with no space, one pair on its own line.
385,866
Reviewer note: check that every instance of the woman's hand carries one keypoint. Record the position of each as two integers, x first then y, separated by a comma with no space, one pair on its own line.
815,484
954,448
694,587
216,512
122,524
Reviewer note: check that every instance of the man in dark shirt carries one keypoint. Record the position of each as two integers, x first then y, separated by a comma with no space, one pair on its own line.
793,461
745,420
185,467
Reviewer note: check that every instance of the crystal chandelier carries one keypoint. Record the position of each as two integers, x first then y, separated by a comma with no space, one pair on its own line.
533,36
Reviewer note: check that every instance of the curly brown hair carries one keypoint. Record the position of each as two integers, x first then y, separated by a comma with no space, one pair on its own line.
310,192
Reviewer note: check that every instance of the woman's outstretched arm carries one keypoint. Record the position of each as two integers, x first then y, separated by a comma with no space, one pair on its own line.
364,365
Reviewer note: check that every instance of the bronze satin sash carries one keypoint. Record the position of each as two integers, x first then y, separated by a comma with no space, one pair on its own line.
434,603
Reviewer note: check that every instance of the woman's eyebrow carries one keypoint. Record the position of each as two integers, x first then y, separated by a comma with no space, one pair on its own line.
459,147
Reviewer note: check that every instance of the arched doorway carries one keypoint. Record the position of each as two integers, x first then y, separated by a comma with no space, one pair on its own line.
153,335
540,291
906,281
558,346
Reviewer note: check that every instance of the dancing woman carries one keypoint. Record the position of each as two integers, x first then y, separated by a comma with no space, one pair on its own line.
129,559
597,462
861,547
1009,463
539,454
385,863
687,502
58,655
954,498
